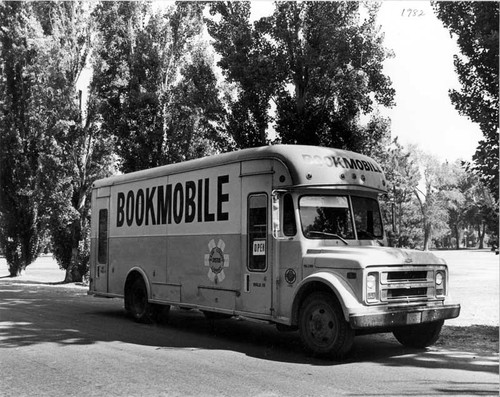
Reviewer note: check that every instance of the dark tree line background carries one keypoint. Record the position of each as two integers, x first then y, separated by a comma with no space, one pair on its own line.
174,83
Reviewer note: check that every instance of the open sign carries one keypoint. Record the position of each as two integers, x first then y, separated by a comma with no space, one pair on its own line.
259,247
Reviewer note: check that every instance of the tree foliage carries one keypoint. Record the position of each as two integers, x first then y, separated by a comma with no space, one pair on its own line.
76,153
439,191
127,80
470,206
333,63
69,160
317,61
247,60
23,121
475,25
403,176
434,203
156,89
67,153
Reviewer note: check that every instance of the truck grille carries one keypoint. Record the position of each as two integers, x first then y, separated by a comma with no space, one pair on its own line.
399,293
407,275
406,285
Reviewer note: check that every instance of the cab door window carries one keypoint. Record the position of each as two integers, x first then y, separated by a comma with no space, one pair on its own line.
257,232
367,218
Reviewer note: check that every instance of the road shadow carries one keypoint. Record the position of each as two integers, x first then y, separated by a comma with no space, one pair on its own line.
35,314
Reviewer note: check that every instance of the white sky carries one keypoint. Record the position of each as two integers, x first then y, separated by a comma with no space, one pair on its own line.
422,72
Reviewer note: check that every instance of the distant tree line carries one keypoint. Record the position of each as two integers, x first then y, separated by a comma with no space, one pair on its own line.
435,204
183,81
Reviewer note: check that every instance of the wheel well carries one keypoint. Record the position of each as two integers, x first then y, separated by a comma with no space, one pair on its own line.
305,291
132,276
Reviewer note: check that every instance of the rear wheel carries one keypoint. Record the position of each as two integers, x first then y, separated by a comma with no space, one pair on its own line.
137,303
419,335
323,329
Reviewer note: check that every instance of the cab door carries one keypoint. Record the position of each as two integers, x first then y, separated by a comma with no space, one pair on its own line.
257,243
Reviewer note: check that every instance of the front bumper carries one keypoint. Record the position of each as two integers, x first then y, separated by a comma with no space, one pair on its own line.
400,317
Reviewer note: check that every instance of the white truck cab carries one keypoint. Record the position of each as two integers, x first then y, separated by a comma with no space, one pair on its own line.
288,234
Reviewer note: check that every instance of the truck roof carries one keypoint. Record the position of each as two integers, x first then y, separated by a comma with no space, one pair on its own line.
308,166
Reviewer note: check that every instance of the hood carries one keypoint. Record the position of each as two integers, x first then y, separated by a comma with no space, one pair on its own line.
363,256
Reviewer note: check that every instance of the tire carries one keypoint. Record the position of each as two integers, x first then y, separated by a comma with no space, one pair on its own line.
420,335
137,304
323,329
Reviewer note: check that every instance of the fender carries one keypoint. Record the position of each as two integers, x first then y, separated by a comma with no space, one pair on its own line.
144,277
337,284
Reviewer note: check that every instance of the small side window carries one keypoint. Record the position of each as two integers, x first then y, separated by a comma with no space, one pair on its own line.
289,224
102,245
257,232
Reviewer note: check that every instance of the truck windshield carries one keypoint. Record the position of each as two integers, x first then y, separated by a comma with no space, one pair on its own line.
326,217
329,217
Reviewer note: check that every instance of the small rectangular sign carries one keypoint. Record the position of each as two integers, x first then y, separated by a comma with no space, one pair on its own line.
259,247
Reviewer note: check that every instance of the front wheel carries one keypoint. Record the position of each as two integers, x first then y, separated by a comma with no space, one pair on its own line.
419,335
323,329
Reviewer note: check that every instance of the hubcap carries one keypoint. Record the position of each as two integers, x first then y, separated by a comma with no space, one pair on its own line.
322,326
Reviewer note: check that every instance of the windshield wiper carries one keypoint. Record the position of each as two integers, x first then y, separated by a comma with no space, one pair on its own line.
327,235
371,236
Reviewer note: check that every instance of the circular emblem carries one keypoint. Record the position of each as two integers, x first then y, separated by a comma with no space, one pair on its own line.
290,276
216,260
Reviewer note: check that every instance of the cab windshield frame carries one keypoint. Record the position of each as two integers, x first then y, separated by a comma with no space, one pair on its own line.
343,221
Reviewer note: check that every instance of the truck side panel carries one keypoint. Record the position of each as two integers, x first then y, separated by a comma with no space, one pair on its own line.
184,232
207,268
147,253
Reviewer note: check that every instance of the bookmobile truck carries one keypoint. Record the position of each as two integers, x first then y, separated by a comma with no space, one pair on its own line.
291,235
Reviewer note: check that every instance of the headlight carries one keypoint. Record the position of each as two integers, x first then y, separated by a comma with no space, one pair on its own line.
440,280
372,287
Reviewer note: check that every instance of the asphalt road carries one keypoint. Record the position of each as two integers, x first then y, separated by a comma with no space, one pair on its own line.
55,340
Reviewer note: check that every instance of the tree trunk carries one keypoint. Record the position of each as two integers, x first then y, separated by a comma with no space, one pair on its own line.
427,236
15,268
72,273
481,234
21,253
457,236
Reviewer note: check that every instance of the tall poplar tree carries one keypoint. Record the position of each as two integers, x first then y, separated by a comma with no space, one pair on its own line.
155,86
475,25
22,125
51,148
248,62
318,61
76,153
